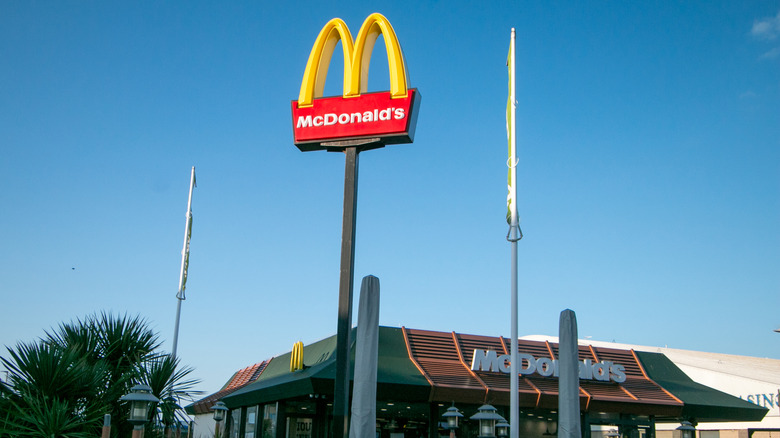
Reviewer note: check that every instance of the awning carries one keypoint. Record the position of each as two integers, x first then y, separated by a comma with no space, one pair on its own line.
397,377
701,403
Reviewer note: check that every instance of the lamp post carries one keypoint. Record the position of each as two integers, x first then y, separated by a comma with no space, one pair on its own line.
487,416
220,410
452,416
106,432
140,398
686,429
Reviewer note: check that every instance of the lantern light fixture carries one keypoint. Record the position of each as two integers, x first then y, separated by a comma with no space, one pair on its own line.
452,416
686,429
487,416
220,410
502,428
140,398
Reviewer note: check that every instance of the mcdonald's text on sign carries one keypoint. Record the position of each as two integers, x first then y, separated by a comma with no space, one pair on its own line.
370,115
385,117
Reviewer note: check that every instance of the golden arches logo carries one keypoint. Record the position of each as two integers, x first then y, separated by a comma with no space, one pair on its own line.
357,56
296,359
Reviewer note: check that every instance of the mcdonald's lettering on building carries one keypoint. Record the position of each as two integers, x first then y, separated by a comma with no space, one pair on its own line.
384,117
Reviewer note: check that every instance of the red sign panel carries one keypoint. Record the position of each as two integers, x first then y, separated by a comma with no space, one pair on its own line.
368,116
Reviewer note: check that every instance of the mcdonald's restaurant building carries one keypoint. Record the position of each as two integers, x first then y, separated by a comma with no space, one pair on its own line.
420,374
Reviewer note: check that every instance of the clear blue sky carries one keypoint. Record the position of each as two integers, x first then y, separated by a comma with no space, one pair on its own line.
649,139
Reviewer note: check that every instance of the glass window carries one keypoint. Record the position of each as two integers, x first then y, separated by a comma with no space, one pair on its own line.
251,420
235,423
269,421
298,427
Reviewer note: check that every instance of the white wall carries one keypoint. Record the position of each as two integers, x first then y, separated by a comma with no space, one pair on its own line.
203,426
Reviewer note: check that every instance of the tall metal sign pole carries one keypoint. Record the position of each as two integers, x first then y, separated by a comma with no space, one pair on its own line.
346,285
513,236
352,123
185,261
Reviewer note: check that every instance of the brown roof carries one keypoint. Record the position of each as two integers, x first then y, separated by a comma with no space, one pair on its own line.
240,379
445,358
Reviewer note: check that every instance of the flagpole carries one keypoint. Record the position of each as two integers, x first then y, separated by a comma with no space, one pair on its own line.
185,258
514,235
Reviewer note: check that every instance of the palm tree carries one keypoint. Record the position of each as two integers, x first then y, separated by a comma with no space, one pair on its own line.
53,393
46,418
170,384
117,345
68,380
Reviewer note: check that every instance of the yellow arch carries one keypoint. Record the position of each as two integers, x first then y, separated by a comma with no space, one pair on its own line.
357,57
296,358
